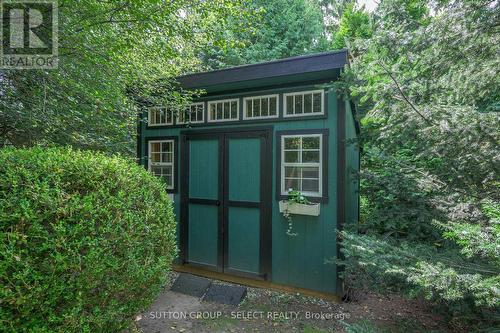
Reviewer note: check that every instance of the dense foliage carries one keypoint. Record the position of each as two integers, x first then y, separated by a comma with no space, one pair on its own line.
353,23
280,29
424,75
428,81
85,240
111,53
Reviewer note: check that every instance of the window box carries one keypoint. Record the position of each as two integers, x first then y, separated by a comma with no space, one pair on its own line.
300,209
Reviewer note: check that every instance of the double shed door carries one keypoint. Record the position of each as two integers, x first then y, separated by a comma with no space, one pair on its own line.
226,202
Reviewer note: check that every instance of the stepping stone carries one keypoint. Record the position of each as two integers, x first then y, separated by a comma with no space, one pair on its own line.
191,285
225,294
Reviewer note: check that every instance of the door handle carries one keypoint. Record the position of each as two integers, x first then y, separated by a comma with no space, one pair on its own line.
218,203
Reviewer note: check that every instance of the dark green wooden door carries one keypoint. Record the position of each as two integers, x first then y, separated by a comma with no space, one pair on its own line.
226,198
204,202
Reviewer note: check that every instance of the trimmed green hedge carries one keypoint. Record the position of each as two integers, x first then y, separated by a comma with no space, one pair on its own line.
86,240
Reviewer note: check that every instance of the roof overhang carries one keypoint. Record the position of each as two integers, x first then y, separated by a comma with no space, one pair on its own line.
313,67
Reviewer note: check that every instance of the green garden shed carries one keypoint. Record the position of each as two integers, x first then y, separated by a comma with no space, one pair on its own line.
230,160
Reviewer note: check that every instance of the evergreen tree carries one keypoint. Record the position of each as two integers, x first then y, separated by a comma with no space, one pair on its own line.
428,80
280,29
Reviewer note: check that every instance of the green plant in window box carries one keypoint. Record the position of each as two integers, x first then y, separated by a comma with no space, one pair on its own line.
294,197
297,197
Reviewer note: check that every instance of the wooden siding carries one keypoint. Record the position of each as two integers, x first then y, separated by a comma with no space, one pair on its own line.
306,260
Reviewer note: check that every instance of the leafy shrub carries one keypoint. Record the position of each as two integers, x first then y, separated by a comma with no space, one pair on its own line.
86,240
429,178
420,269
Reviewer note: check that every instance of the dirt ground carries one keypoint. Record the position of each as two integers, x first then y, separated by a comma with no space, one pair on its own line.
271,311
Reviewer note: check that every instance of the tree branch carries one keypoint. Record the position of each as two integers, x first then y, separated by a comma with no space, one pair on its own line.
427,120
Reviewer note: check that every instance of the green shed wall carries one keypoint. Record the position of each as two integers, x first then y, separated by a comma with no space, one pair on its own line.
305,260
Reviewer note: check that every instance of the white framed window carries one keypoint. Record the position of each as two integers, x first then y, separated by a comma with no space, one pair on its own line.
302,164
161,160
159,116
223,110
260,107
194,113
303,103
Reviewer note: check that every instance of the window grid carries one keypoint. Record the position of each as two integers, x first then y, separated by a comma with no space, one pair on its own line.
193,113
161,160
304,103
308,171
159,116
260,107
223,110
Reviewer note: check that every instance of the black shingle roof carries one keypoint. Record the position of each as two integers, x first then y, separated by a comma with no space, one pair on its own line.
271,69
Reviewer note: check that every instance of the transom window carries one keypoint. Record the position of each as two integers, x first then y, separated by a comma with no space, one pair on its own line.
260,107
192,114
301,166
223,110
303,103
161,160
158,116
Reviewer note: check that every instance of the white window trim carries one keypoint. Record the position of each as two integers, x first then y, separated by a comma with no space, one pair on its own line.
284,191
172,164
245,99
209,118
285,115
193,122
160,124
